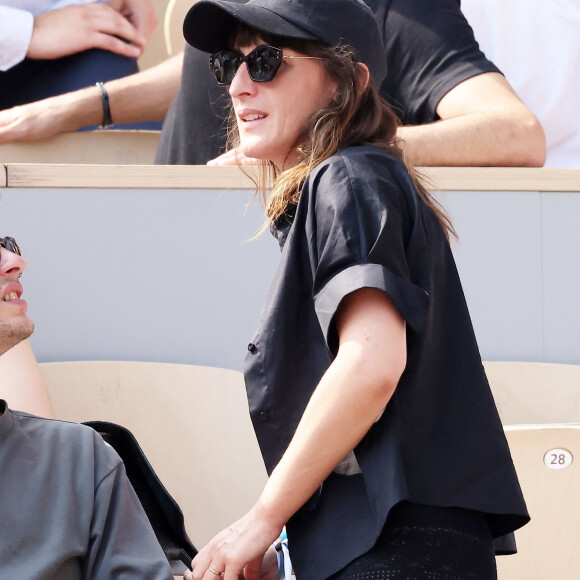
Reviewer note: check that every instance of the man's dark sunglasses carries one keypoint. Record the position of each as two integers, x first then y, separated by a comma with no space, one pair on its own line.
263,64
10,244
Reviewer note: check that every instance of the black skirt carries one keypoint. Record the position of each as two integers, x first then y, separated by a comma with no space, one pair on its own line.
427,543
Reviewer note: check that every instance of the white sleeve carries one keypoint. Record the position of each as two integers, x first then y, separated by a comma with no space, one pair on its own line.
15,34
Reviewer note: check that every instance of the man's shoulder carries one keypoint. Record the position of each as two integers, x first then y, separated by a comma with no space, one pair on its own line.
65,437
57,425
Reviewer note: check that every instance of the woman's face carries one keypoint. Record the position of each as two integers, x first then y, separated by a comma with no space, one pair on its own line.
271,116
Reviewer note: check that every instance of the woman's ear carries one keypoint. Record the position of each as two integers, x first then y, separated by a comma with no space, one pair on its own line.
363,76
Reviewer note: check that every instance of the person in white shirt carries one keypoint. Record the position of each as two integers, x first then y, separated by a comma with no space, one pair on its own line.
536,43
49,47
47,29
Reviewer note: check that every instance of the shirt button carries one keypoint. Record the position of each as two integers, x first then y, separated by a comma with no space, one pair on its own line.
251,347
264,416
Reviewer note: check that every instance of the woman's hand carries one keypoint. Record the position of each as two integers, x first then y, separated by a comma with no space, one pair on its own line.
232,157
241,550
350,396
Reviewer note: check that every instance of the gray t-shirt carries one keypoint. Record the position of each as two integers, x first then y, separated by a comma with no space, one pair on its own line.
68,510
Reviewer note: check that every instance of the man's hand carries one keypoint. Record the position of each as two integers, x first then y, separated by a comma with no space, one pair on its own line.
49,117
25,123
139,13
80,27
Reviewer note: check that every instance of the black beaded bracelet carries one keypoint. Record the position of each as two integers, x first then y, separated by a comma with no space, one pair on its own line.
107,119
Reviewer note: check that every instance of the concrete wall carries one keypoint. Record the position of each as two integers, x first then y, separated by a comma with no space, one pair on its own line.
164,274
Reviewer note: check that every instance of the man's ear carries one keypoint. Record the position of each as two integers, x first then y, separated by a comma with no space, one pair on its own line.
363,76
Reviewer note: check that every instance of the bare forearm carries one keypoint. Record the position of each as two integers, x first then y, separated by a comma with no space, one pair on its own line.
347,401
145,96
339,414
482,138
351,394
483,122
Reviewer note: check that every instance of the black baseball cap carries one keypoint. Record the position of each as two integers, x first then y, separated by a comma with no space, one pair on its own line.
210,24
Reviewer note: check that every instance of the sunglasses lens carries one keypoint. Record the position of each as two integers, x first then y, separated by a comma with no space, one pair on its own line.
11,245
263,63
224,66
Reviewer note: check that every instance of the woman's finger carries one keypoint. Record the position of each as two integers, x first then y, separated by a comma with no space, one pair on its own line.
215,571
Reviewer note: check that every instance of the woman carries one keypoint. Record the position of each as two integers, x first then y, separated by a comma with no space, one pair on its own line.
385,452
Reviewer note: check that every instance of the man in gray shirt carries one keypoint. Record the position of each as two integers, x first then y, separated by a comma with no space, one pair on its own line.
68,509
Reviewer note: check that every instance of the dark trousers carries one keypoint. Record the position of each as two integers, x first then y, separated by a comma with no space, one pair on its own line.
427,543
33,80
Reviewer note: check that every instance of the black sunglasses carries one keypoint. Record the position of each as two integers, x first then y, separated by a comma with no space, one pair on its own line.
10,244
263,64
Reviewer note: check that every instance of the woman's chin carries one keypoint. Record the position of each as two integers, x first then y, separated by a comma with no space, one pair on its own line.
254,151
257,148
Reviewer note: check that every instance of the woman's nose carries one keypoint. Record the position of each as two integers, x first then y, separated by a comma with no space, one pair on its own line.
11,263
242,83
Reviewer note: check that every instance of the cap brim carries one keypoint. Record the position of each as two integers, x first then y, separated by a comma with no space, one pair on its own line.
210,24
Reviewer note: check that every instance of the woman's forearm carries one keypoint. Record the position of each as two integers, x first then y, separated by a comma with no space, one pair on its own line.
349,398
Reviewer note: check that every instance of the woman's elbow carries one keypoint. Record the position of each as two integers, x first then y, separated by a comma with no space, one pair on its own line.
384,375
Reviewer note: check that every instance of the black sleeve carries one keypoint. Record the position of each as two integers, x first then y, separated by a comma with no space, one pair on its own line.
430,50
358,231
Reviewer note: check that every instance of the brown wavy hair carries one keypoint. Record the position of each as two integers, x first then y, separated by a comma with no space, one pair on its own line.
357,115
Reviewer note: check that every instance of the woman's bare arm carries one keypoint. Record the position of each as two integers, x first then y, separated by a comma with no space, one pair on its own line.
349,398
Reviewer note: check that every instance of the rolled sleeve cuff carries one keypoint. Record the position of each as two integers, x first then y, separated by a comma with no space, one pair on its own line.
411,301
15,34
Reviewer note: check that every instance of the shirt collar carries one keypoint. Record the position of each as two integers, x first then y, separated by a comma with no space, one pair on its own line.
6,419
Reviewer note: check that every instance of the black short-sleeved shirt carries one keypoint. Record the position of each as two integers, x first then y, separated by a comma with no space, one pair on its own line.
429,46
361,223
430,49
